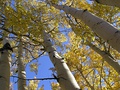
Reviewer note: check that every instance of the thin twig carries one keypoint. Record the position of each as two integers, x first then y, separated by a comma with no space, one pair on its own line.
33,78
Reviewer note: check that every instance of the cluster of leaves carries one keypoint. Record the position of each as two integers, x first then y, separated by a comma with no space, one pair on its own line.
27,19
89,68
33,84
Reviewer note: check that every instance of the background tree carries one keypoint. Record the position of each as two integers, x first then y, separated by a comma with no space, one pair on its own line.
21,68
5,60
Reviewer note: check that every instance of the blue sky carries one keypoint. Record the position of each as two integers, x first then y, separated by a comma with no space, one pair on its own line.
43,72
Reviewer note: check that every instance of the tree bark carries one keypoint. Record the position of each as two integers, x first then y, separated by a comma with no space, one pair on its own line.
64,75
5,69
104,29
109,2
21,69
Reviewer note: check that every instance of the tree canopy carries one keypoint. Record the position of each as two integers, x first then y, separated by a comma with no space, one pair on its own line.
93,61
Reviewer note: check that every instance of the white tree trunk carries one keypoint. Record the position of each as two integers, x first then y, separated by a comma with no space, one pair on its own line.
104,55
5,70
99,26
65,77
21,69
107,58
109,2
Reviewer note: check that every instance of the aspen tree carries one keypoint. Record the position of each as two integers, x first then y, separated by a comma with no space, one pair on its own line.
64,75
104,29
21,68
5,66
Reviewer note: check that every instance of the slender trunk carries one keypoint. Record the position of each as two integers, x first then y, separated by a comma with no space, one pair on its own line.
104,55
109,2
99,26
5,69
21,69
65,77
107,58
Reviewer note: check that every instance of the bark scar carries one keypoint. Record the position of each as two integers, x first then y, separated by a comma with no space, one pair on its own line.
7,46
99,22
84,10
97,1
116,32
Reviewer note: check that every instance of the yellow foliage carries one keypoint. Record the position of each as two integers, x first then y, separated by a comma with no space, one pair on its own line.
33,84
90,70
88,66
55,86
